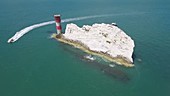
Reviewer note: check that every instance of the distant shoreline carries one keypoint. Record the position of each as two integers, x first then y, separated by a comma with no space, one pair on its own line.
119,60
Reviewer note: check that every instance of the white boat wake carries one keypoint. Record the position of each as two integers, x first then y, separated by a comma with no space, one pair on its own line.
22,32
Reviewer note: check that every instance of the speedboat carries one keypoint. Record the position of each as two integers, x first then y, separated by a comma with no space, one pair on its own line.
10,40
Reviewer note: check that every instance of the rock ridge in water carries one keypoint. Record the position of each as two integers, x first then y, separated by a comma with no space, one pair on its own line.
106,39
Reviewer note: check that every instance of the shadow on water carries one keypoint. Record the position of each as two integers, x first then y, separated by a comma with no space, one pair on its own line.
133,56
112,72
136,57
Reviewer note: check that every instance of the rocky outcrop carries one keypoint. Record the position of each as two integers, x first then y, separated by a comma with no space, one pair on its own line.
104,39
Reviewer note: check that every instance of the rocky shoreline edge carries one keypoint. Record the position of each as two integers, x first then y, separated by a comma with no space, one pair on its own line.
118,60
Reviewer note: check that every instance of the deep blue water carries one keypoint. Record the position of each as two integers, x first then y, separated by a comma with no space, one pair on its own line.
38,66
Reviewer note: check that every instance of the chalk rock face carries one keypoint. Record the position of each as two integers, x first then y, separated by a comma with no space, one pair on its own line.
105,38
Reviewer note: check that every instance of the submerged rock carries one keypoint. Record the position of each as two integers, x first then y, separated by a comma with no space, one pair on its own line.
107,40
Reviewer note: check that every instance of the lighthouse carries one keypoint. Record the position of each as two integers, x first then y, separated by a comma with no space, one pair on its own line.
58,24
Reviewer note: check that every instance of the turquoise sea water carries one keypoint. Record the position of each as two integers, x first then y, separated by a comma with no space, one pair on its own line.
38,66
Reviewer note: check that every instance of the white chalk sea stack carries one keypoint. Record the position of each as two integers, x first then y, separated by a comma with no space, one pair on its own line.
102,38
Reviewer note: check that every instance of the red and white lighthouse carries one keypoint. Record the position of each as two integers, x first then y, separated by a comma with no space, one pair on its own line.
58,23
